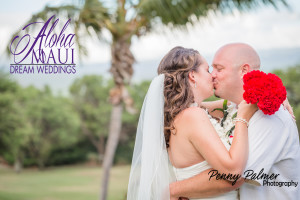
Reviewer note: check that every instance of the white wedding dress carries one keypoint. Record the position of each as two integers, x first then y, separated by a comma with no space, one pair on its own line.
188,172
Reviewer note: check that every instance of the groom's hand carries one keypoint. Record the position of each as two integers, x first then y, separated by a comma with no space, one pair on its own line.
175,197
287,106
180,198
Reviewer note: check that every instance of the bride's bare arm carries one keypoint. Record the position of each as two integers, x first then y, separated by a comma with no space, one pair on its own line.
204,138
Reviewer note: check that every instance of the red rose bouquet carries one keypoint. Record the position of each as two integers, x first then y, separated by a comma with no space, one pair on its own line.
264,89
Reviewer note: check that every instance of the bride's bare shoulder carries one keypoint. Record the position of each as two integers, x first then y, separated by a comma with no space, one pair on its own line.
193,113
192,120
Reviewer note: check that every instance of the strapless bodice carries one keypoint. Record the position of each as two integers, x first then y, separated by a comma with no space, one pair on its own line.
188,172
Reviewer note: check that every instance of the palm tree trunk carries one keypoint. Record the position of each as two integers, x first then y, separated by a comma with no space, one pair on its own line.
101,148
111,146
121,69
18,164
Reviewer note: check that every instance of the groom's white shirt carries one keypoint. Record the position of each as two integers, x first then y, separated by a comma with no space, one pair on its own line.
273,148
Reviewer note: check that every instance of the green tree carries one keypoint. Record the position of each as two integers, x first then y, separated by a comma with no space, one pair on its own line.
53,122
290,78
8,89
90,97
35,121
13,127
126,19
129,123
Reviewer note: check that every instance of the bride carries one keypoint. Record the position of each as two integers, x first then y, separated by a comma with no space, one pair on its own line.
175,138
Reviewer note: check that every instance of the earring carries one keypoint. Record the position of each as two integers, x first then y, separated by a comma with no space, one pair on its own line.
195,84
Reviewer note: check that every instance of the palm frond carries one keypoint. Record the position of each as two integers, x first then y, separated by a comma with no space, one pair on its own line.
67,11
179,13
94,15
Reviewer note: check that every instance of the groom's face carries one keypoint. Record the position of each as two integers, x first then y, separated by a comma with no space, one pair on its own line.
226,76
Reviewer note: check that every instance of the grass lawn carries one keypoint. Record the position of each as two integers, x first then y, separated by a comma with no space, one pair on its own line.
62,183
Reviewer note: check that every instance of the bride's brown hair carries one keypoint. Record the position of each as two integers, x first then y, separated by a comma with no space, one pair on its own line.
178,94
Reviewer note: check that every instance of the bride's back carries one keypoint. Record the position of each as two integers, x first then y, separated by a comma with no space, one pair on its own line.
181,151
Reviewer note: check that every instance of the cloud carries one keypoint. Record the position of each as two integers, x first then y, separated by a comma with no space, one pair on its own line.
263,28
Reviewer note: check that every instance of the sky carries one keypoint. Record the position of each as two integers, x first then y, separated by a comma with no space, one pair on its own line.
269,31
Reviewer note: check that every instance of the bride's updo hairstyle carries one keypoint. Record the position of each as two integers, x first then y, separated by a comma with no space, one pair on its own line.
178,94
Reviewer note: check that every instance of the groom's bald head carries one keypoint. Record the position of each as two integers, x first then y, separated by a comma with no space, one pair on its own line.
230,63
239,54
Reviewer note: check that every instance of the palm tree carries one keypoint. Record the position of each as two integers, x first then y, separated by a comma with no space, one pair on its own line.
125,19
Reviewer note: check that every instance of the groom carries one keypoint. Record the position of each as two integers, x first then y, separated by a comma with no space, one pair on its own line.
273,167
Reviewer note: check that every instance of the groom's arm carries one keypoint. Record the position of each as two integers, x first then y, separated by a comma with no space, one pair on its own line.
211,105
200,186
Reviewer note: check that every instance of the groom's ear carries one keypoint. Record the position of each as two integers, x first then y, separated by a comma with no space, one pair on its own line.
245,69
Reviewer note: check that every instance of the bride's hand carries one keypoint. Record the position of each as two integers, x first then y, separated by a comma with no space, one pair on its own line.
246,111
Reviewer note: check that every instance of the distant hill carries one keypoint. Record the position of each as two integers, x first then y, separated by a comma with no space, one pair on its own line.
270,60
145,70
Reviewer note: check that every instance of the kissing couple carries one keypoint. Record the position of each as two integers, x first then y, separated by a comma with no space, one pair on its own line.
181,151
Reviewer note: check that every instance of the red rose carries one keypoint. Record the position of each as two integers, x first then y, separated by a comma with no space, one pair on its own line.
264,89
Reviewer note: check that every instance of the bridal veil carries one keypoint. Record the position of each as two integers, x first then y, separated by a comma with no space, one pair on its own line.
151,171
